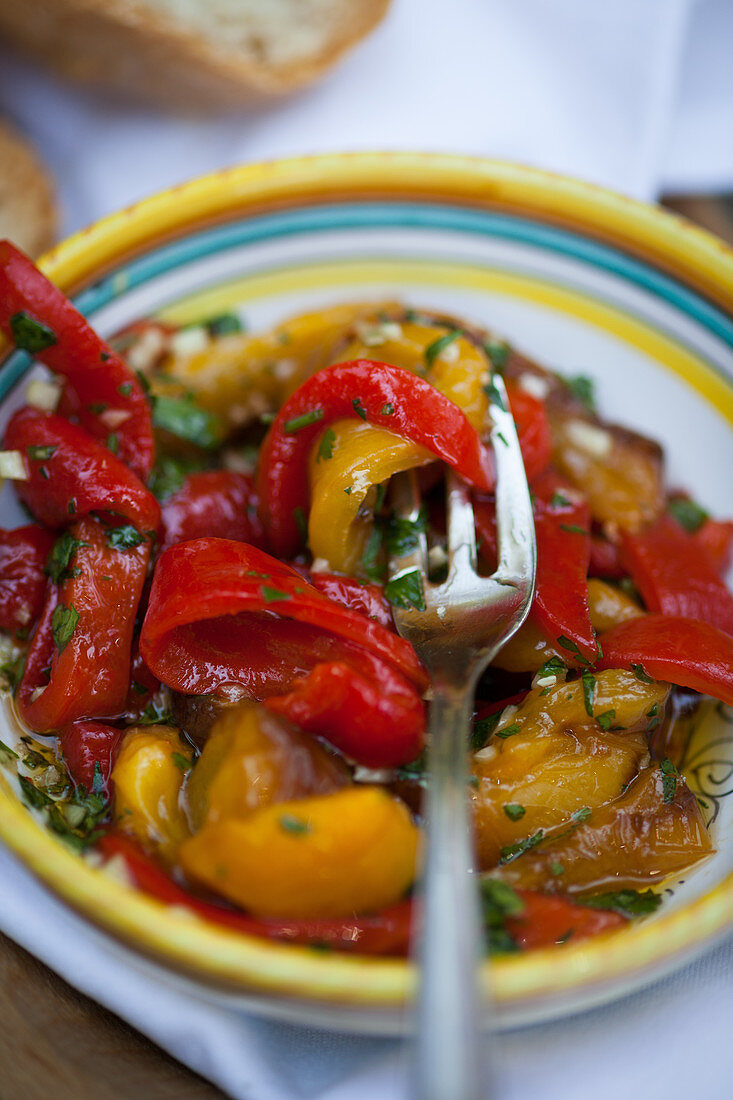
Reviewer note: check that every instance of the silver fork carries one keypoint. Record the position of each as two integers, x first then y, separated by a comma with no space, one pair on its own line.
465,622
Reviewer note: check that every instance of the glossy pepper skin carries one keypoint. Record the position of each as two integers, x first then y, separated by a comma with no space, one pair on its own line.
674,577
547,920
369,599
23,554
560,606
222,612
533,429
675,649
89,749
387,397
71,474
85,674
217,503
107,396
383,933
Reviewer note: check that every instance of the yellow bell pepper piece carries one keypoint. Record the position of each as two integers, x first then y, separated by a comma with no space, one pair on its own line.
526,651
251,759
609,605
343,853
240,376
342,488
147,778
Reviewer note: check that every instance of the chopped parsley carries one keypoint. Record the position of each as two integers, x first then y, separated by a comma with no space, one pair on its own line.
514,811
170,474
325,447
156,713
581,815
370,562
29,334
553,667
13,671
41,454
483,729
583,388
125,537
573,529
557,868
301,523
432,351
182,417
589,690
359,408
569,644
295,825
406,591
387,409
638,671
296,423
498,353
494,395
630,903
273,594
688,513
60,555
63,625
125,389
113,443
499,901
670,775
513,851
403,535
604,720
559,501
181,761
510,731
225,324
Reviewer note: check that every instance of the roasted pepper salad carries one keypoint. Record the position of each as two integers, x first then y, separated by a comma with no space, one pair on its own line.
199,651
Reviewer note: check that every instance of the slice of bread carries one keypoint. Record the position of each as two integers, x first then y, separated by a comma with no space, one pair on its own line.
190,54
27,205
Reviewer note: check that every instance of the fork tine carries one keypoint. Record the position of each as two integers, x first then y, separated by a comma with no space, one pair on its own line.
514,517
407,502
460,524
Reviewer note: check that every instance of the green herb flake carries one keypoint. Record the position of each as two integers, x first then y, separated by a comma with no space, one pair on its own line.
670,775
301,523
552,667
557,868
297,423
513,851
403,535
559,501
387,409
483,729
630,903
370,562
498,352
581,815
63,625
359,408
41,454
181,761
573,529
414,772
225,324
499,901
406,591
156,713
182,417
273,594
60,555
325,447
583,388
125,389
493,393
604,720
13,671
144,383
688,513
170,474
30,334
289,823
509,731
638,671
113,443
514,811
96,408
347,490
139,688
125,537
432,351
569,644
589,690
71,507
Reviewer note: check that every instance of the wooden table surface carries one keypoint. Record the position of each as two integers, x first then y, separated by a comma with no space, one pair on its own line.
54,1041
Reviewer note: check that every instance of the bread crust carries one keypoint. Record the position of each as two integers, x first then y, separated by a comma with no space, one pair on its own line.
27,201
123,47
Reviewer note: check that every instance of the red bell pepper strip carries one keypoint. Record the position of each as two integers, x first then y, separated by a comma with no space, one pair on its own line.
89,750
209,578
23,554
605,559
217,503
36,316
78,663
549,919
674,649
368,599
383,933
533,429
143,684
673,577
715,539
70,474
560,606
223,612
385,396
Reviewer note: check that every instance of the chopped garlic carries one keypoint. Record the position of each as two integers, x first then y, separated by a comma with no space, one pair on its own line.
284,369
450,353
363,774
44,394
145,352
116,869
594,441
189,341
112,418
12,466
437,557
507,716
544,681
37,693
535,386
320,565
485,754
372,335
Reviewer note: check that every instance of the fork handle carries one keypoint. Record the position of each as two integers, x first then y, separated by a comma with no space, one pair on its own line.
450,1055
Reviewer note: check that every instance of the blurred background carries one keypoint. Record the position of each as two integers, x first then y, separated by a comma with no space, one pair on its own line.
105,101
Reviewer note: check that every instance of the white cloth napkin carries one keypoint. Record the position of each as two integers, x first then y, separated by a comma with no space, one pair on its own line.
636,95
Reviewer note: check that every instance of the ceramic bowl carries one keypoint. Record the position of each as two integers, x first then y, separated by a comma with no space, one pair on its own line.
583,280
